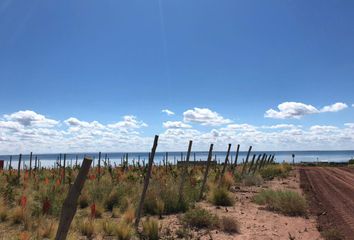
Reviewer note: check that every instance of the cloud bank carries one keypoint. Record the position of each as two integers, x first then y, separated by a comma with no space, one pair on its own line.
26,131
297,110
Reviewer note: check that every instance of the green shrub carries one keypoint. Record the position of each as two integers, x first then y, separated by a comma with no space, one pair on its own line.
124,231
287,202
269,172
111,201
332,234
108,227
150,229
252,180
230,225
200,218
221,197
83,201
86,228
3,213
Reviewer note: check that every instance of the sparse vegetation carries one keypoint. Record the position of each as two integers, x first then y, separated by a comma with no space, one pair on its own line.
86,228
221,197
285,201
230,225
252,180
150,229
332,234
124,231
275,170
200,218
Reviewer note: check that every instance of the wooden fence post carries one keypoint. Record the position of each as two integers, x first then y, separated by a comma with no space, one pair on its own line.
236,157
70,204
146,181
63,176
19,166
252,162
184,172
262,161
225,164
10,167
99,166
206,171
30,167
257,162
245,163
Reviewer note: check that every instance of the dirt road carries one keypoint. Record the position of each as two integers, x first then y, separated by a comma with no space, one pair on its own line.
331,194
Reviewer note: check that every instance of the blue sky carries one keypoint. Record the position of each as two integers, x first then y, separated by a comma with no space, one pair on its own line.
103,60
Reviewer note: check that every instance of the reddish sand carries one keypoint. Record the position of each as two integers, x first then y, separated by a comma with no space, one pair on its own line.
256,222
331,194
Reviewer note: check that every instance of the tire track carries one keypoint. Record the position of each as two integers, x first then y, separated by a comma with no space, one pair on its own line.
332,193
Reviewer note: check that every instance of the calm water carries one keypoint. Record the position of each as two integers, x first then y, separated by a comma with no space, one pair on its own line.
48,160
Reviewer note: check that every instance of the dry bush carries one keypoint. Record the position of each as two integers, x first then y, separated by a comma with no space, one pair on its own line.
252,180
18,215
230,225
287,202
221,197
332,234
108,227
129,215
124,231
200,218
83,200
3,213
227,180
150,229
46,230
86,228
269,172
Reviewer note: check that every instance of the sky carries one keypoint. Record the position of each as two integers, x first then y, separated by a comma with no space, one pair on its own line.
109,75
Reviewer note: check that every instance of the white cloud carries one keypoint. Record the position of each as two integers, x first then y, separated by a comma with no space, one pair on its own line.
168,112
334,107
241,127
126,135
323,128
31,118
291,110
297,110
281,126
175,124
129,122
204,116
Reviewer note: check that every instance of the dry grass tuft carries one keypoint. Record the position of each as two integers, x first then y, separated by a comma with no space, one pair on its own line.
124,231
287,202
86,228
150,229
230,225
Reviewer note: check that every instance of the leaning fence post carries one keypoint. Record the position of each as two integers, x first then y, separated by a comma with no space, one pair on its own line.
184,173
206,171
225,164
262,161
70,204
19,166
254,157
257,162
236,157
146,181
245,163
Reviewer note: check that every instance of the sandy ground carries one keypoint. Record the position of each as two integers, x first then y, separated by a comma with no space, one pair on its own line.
331,195
255,222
